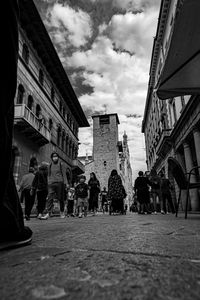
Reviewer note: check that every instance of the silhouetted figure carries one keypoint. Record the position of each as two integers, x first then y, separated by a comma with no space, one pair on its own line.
12,229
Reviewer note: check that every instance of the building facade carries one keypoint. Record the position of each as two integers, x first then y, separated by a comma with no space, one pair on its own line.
47,112
171,127
109,153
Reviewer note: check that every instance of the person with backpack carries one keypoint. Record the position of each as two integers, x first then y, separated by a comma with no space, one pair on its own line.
57,184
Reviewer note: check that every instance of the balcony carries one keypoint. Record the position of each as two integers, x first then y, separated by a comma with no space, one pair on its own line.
78,167
27,123
164,143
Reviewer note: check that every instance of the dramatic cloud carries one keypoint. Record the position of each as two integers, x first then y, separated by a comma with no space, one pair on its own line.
134,32
69,24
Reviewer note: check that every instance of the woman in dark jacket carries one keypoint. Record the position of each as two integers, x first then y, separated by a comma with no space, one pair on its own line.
94,187
40,186
116,192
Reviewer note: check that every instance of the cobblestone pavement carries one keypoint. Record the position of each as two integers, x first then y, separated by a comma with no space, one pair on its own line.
106,257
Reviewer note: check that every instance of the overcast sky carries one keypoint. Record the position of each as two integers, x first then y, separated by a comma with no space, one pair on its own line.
105,47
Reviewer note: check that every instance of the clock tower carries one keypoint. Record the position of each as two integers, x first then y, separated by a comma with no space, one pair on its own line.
105,146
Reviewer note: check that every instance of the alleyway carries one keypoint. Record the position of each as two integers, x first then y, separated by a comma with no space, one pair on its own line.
106,257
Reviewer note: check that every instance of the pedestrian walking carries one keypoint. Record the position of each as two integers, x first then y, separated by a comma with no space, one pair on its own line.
57,184
70,201
166,197
40,187
141,188
116,193
155,190
25,188
82,194
12,229
94,187
104,202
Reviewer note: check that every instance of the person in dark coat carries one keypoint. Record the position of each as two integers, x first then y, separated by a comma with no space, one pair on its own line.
155,189
116,192
12,229
141,187
40,186
94,187
166,188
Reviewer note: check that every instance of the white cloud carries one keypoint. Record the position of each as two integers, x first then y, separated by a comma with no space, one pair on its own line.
69,24
134,32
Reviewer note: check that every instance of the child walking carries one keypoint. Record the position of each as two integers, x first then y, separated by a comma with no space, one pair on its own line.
70,201
82,194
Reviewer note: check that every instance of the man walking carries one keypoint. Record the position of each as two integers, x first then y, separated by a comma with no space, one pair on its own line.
166,188
57,183
25,188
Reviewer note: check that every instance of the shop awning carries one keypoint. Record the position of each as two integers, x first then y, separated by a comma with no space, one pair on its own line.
181,72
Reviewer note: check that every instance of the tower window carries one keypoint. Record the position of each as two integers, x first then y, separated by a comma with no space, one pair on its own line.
104,120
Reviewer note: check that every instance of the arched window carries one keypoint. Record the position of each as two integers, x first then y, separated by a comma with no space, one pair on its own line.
58,135
30,102
70,148
20,94
50,124
41,77
38,110
52,94
25,53
67,144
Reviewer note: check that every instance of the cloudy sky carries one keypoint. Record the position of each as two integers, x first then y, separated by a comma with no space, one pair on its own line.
105,47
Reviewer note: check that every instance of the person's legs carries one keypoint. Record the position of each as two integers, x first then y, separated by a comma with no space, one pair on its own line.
51,195
170,202
41,197
154,196
60,195
163,203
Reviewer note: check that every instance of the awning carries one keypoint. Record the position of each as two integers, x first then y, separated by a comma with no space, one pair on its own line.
181,72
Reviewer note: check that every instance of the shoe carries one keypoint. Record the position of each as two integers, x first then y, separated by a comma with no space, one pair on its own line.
162,212
45,217
80,215
39,216
62,215
22,239
73,215
155,212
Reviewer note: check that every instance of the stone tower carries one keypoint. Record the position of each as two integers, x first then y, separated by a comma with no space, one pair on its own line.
105,146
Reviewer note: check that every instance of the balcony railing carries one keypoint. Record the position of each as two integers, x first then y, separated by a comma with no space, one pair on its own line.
164,143
78,165
29,124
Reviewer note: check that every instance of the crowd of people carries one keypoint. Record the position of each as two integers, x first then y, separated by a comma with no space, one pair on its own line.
49,182
152,194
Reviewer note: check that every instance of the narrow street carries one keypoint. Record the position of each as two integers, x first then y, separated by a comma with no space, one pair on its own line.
106,257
